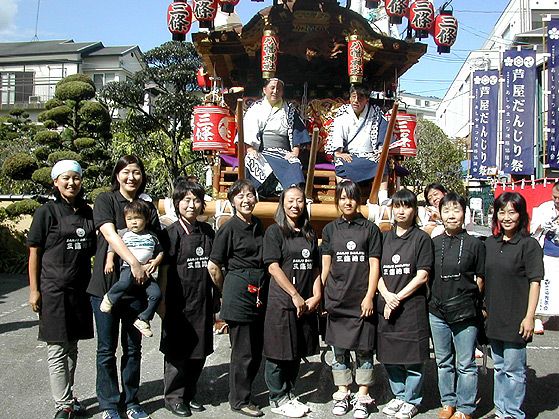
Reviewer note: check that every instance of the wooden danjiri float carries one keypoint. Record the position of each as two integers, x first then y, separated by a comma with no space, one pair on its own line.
317,48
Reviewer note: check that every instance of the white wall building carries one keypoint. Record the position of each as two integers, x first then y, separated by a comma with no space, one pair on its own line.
519,18
29,71
424,107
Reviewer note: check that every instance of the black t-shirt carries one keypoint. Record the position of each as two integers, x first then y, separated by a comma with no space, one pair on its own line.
358,223
238,245
510,267
458,277
109,208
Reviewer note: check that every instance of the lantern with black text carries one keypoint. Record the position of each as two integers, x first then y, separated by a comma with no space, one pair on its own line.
396,10
270,50
228,6
204,11
179,19
355,59
445,31
422,16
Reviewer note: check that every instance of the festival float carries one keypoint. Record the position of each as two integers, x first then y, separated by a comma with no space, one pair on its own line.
317,48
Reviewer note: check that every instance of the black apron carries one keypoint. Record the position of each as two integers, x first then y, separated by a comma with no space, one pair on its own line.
245,292
285,336
404,337
66,313
187,329
345,289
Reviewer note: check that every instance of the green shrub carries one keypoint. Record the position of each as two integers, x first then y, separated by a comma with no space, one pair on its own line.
93,171
76,77
13,251
26,206
47,137
60,114
63,155
20,166
42,176
92,196
75,90
84,142
50,124
53,103
42,153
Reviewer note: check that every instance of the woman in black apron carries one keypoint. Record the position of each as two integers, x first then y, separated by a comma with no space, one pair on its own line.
238,248
128,182
513,271
187,336
61,243
403,334
456,286
351,248
291,324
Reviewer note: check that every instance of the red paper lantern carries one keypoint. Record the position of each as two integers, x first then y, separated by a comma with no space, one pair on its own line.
270,50
404,143
396,10
446,30
179,19
205,11
422,17
203,79
228,6
355,59
211,126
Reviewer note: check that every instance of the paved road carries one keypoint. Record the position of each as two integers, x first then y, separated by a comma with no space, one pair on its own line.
25,392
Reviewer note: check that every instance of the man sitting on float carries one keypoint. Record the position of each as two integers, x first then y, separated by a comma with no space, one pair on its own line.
356,138
274,134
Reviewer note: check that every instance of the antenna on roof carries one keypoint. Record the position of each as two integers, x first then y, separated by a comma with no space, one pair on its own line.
35,37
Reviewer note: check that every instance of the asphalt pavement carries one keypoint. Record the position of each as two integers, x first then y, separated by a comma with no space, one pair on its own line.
25,391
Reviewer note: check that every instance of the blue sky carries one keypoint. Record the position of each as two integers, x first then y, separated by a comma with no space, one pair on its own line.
143,22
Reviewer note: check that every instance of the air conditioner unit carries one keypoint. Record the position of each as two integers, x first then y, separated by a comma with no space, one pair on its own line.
34,99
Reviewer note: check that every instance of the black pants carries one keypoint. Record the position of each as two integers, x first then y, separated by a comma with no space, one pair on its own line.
246,355
180,377
280,377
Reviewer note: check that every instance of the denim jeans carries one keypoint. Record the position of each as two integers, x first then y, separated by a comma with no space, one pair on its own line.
107,325
406,381
62,358
509,388
280,377
341,367
455,355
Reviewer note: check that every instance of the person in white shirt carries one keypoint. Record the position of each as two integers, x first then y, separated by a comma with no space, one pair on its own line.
545,228
274,134
356,139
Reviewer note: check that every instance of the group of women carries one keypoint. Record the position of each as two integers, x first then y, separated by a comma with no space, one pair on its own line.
387,293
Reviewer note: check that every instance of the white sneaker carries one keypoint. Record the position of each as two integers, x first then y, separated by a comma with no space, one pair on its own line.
342,403
143,327
393,407
106,304
361,406
407,411
303,406
538,327
289,409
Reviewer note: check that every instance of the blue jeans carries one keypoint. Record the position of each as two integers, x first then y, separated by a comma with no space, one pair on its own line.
107,325
341,367
455,355
509,387
406,381
125,281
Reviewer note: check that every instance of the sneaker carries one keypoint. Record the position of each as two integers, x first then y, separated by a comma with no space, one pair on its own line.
136,413
110,414
361,406
393,407
143,327
297,402
478,354
106,304
460,415
538,327
249,410
289,409
407,411
342,403
64,413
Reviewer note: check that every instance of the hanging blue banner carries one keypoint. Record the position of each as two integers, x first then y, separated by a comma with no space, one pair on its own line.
519,74
485,111
553,98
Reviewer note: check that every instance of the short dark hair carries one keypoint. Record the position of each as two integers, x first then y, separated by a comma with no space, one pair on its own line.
238,186
405,198
182,187
519,204
455,198
351,190
436,186
268,81
137,206
303,223
360,89
121,164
